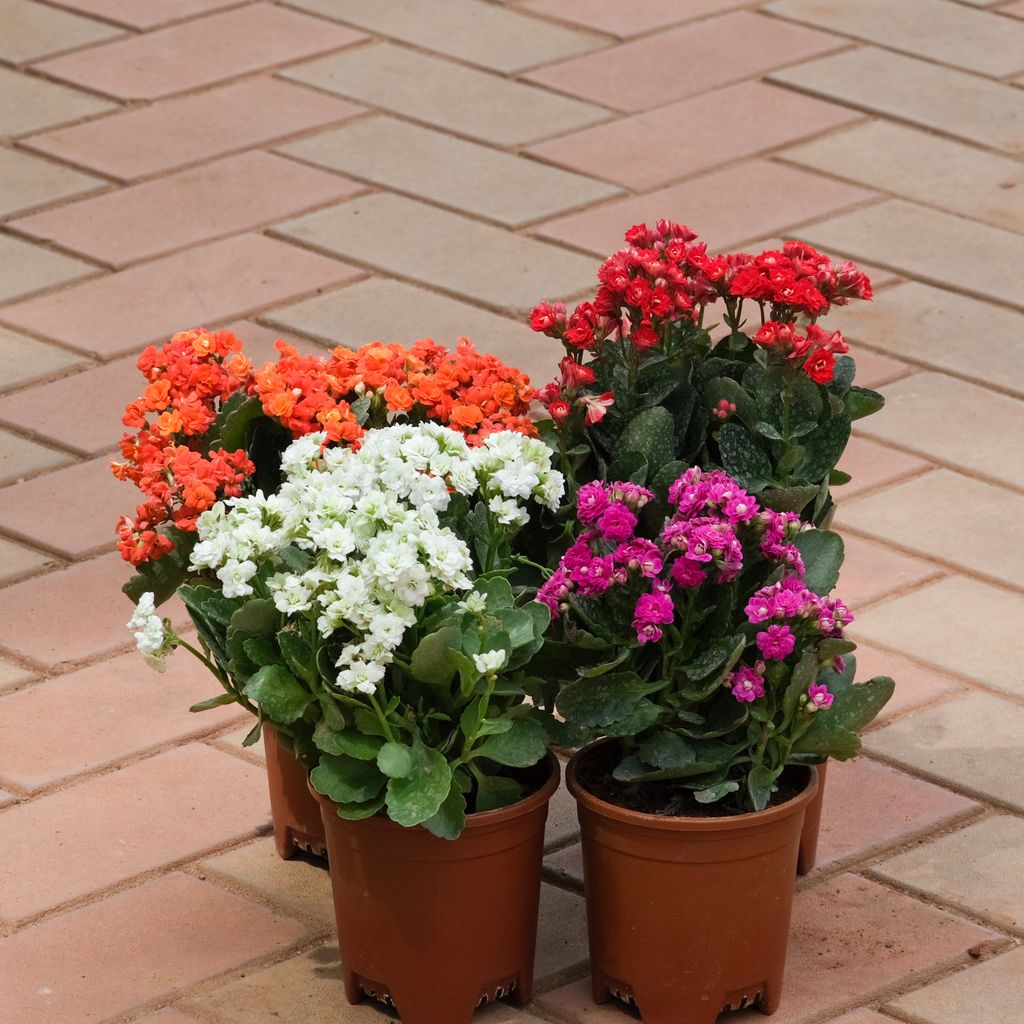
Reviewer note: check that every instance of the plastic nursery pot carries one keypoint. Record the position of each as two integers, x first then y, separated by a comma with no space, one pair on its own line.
435,927
687,917
296,814
812,826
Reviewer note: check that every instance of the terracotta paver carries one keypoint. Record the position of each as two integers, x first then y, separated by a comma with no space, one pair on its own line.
33,30
377,309
20,457
464,29
429,164
35,510
17,560
444,249
215,199
26,268
12,675
972,741
27,181
949,100
212,283
563,824
981,439
906,320
726,208
27,360
104,959
145,14
168,1016
886,937
947,33
643,73
168,135
632,20
450,96
916,684
975,869
873,465
100,715
200,52
922,167
90,836
896,516
761,117
988,651
871,571
991,992
561,936
29,104
875,370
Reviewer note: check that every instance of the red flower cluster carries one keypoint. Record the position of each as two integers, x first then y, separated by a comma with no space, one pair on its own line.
188,378
819,346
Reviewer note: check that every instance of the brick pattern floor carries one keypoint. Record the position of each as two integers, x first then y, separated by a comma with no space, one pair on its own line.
333,170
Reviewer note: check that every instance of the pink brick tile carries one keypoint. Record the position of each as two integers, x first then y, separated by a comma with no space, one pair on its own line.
871,464
625,20
20,458
200,52
727,207
858,1017
37,510
915,684
885,938
66,411
1014,9
220,198
109,829
648,150
176,132
102,960
147,13
146,304
872,570
173,1016
95,717
685,61
869,806
875,370
71,614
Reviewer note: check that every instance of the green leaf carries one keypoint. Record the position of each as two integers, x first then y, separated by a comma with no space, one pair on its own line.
281,696
347,780
651,432
430,662
298,656
743,458
725,387
494,791
524,744
666,750
260,650
215,702
235,426
714,656
861,402
607,699
787,499
253,735
346,741
163,576
498,593
639,720
833,733
767,430
715,793
761,785
257,615
837,478
629,466
823,553
395,760
824,448
450,819
360,811
417,798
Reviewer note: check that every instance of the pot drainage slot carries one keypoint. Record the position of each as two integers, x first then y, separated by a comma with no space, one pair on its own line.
741,999
505,988
378,994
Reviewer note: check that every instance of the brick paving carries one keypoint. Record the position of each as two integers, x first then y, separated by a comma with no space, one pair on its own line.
336,171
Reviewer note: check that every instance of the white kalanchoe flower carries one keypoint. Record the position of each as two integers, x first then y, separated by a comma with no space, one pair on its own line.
474,603
151,638
489,662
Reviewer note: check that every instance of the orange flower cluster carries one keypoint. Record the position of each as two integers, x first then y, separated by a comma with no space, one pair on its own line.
349,391
188,378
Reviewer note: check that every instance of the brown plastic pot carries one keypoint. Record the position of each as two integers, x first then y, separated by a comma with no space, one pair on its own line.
296,815
435,927
688,917
812,826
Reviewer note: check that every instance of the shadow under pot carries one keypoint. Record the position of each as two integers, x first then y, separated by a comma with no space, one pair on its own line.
295,813
433,927
812,826
687,916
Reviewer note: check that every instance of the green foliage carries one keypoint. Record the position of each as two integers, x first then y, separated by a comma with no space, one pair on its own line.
823,554
281,696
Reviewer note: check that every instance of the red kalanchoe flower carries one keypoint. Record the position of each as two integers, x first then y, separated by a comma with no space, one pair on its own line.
548,318
820,366
559,410
575,375
596,406
644,336
579,331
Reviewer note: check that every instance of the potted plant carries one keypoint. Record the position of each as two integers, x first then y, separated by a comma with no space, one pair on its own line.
370,608
715,673
652,381
210,426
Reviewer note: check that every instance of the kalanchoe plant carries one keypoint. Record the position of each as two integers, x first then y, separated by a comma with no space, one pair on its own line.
646,389
364,609
708,645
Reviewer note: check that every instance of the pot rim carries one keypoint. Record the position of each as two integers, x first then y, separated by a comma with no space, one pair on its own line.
681,823
478,819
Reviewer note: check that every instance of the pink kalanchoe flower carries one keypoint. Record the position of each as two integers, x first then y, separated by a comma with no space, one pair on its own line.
652,610
761,607
617,523
640,554
595,577
746,683
818,697
631,494
554,591
591,501
687,573
776,642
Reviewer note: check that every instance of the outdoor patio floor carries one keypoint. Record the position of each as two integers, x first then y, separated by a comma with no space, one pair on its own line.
344,171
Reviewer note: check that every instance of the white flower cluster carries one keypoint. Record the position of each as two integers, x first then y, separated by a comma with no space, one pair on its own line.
150,637
370,520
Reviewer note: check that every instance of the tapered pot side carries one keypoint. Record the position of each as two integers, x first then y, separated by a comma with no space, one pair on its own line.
295,813
812,826
435,927
688,916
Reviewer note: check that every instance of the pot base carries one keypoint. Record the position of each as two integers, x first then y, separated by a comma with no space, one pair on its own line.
296,815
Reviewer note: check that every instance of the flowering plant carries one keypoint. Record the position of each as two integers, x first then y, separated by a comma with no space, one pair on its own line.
210,426
715,655
645,390
365,610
